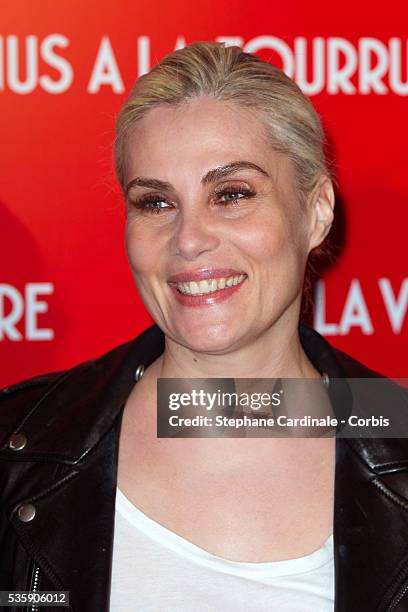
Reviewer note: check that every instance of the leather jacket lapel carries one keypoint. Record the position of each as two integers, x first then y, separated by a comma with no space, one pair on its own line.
370,527
71,538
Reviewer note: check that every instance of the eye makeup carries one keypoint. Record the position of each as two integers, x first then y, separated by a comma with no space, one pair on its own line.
149,203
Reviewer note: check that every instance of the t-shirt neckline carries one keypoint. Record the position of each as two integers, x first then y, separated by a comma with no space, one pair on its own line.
180,545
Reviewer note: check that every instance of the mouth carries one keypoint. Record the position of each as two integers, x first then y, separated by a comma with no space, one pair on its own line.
208,286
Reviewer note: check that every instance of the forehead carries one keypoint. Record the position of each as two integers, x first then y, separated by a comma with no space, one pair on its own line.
196,135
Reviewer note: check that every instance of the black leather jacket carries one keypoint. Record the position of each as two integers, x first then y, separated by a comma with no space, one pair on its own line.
58,470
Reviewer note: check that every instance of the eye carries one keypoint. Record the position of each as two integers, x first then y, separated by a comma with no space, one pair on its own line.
233,194
156,204
151,204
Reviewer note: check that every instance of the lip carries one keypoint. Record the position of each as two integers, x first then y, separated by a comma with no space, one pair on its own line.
206,299
203,274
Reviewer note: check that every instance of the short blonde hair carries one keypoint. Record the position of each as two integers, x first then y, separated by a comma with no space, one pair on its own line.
229,73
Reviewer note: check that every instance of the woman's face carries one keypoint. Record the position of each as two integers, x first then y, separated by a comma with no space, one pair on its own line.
206,194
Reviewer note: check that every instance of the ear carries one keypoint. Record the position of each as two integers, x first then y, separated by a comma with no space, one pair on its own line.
321,208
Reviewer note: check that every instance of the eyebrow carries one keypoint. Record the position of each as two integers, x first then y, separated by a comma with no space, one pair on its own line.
210,177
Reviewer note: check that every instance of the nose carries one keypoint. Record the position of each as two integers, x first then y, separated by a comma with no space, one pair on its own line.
194,234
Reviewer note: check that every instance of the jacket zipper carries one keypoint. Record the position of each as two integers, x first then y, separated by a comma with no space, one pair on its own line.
398,597
398,590
34,587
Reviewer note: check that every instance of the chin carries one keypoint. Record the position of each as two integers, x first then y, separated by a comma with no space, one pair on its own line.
211,338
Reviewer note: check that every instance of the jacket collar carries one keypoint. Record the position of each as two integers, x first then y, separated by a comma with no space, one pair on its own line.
77,410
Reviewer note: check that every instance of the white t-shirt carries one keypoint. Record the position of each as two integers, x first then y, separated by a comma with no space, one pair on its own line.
154,570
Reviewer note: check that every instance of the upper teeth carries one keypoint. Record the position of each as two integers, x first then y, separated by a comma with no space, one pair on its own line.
210,285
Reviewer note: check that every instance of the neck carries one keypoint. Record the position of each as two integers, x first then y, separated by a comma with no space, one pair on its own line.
276,353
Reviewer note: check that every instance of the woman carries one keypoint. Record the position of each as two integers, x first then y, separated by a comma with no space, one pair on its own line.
227,193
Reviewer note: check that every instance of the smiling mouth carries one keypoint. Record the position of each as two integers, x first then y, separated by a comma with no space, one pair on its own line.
205,287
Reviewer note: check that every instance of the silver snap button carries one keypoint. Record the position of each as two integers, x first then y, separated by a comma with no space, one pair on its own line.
325,380
17,441
26,513
139,372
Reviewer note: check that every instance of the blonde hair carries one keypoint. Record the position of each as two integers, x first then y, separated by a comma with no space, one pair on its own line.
228,73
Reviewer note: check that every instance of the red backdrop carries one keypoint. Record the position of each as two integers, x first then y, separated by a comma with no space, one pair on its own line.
66,292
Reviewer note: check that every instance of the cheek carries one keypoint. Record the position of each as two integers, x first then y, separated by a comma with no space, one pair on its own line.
143,261
273,244
142,251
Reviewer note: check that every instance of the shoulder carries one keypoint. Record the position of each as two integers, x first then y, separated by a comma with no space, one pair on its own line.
39,384
374,393
19,400
74,406
376,388
355,389
354,368
384,450
40,381
326,357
